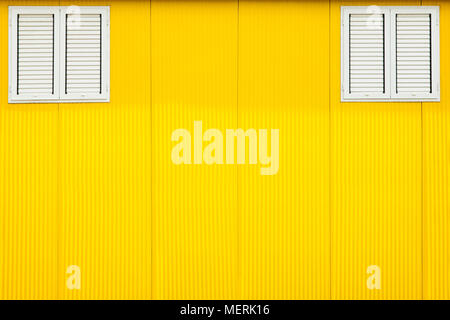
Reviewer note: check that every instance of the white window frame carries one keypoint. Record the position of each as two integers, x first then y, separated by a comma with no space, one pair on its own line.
13,96
390,55
59,95
104,58
434,95
345,53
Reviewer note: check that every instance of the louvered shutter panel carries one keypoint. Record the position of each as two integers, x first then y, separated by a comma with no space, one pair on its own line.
413,53
35,54
366,54
83,66
85,58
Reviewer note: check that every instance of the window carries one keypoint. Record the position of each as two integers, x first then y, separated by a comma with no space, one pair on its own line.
58,54
390,54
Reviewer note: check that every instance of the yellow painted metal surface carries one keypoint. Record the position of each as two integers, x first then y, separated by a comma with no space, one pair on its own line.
93,185
105,162
194,207
436,176
29,189
376,189
284,218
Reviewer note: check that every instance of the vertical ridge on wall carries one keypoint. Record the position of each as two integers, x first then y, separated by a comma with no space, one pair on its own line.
194,77
376,189
284,218
106,177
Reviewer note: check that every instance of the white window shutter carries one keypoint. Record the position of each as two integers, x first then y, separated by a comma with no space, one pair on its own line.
58,54
415,54
390,53
34,54
364,55
85,60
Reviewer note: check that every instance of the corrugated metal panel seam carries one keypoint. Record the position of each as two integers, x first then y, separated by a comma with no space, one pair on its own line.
329,150
238,221
421,193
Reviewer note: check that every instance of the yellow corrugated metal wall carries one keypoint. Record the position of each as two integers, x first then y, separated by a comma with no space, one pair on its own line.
195,221
284,218
93,185
106,169
436,176
376,189
29,189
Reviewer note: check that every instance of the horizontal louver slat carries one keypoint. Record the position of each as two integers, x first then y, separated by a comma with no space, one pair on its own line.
413,53
366,63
